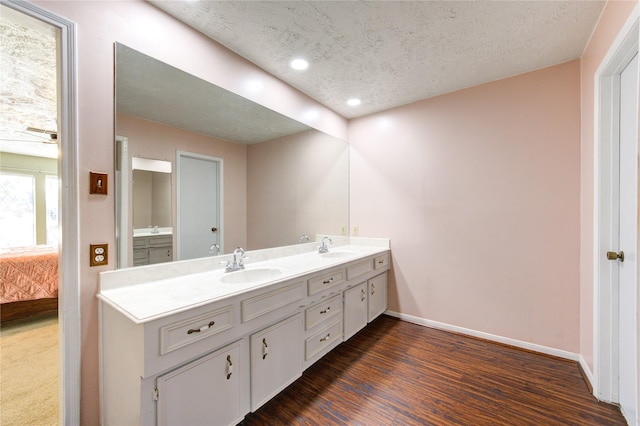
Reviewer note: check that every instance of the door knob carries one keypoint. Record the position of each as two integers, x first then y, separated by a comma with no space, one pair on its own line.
214,229
612,255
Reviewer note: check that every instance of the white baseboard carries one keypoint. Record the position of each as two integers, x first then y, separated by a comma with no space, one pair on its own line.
487,336
587,371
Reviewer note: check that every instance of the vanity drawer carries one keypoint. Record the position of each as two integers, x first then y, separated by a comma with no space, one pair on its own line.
182,333
161,240
359,268
140,256
322,311
139,241
272,300
323,339
325,281
381,261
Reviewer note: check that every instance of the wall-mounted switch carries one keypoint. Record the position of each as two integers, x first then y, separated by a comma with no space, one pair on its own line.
99,254
98,183
356,229
343,230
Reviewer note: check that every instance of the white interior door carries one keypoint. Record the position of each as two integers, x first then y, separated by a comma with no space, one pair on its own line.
628,319
199,196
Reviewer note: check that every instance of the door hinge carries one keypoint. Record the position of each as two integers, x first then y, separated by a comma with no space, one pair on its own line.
156,395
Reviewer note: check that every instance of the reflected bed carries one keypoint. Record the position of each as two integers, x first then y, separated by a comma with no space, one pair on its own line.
28,281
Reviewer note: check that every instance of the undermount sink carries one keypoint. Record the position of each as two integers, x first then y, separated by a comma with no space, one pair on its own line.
338,254
250,275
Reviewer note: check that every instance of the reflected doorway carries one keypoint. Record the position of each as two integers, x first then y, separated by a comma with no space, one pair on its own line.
199,203
30,215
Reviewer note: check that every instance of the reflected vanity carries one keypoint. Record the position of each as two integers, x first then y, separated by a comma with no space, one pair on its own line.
278,178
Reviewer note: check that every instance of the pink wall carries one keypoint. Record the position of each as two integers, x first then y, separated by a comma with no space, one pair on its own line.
486,178
479,192
611,22
143,27
152,140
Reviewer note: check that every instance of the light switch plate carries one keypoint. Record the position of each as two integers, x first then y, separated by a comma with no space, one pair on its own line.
98,183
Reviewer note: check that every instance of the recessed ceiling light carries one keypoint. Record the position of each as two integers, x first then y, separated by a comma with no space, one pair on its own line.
299,64
354,102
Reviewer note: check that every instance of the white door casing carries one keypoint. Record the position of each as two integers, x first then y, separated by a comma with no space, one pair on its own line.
606,212
123,206
69,266
199,204
628,240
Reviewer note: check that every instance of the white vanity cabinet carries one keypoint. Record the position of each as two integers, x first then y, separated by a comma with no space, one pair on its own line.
138,359
203,392
230,349
276,361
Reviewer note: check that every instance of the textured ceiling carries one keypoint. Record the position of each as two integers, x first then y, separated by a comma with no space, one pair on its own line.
28,84
393,53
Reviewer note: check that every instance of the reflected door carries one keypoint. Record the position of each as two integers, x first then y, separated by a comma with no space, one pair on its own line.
198,180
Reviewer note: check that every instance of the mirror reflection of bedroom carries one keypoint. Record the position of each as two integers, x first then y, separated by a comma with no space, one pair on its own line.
29,225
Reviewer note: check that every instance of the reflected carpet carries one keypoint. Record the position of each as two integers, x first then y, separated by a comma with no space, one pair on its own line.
29,372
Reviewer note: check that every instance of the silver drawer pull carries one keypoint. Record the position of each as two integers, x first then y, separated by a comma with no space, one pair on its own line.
329,281
380,262
364,294
325,338
373,289
203,328
324,311
229,367
265,348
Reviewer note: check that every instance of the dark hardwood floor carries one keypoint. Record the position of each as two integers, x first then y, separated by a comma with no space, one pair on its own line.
397,373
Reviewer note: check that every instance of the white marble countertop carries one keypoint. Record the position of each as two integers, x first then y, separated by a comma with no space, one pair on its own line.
144,294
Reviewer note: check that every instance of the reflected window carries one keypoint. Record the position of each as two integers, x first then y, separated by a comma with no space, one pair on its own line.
51,203
17,210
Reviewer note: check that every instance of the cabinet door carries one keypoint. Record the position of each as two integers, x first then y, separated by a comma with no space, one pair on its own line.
160,255
355,310
203,392
377,295
276,359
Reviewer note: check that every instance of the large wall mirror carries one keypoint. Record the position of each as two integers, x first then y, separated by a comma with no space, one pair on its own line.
232,172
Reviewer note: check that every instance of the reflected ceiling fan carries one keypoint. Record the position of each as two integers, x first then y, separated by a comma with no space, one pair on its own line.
45,136
52,134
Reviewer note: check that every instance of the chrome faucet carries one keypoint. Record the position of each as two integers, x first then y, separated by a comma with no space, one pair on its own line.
323,248
303,239
237,263
214,250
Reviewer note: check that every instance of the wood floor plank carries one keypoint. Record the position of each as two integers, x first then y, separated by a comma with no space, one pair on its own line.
397,373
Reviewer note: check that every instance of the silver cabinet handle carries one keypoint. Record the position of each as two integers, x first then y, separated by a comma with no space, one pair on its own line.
324,311
329,281
203,328
373,289
265,348
325,338
364,294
